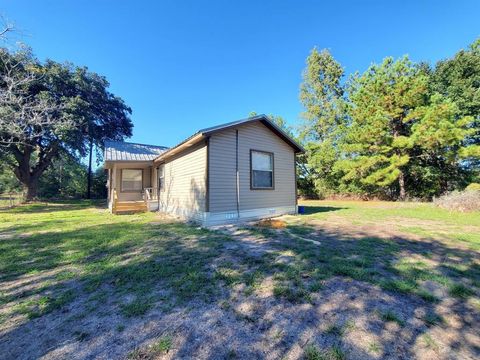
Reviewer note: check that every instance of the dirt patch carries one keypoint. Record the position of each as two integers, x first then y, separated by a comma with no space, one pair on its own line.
345,312
333,284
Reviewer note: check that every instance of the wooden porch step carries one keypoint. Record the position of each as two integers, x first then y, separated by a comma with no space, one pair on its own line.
130,206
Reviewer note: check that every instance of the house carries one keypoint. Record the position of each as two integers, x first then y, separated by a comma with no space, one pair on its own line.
235,171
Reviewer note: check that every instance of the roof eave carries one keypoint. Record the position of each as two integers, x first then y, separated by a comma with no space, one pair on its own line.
267,122
180,147
202,134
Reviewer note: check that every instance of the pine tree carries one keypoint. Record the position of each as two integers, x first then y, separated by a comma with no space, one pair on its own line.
321,94
396,123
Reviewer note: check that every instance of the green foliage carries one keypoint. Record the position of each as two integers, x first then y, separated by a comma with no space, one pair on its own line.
53,109
378,141
8,180
397,130
65,178
473,187
321,94
458,78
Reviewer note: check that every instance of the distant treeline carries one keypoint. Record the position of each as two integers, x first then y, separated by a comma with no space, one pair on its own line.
65,178
398,130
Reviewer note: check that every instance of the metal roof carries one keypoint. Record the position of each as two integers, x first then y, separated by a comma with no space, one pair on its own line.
125,151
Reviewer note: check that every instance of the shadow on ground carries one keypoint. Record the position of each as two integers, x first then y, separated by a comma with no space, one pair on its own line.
115,289
54,206
310,210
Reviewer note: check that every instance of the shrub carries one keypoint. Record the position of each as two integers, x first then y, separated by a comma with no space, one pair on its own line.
460,201
473,187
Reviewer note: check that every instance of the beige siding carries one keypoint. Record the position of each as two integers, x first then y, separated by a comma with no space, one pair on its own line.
185,183
255,136
222,173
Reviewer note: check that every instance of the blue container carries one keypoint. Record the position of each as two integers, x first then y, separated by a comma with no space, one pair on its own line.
301,209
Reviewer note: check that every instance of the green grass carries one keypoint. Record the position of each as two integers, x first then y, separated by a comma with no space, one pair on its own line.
88,249
313,352
163,345
138,264
460,291
136,308
379,210
432,319
395,265
391,316
374,347
339,330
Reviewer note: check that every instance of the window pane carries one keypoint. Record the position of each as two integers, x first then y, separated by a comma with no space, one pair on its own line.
261,161
132,180
262,179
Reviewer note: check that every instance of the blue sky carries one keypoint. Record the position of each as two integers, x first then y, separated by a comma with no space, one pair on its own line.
185,65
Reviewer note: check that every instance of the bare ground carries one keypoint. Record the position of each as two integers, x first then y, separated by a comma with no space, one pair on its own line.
344,314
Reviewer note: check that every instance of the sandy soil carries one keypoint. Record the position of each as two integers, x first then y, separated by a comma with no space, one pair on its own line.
344,314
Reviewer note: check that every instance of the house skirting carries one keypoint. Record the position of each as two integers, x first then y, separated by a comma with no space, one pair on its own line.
225,217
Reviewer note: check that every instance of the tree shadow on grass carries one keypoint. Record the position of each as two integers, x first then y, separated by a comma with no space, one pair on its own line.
132,283
310,209
53,206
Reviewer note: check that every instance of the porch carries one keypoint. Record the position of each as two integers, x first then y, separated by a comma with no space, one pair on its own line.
149,202
131,187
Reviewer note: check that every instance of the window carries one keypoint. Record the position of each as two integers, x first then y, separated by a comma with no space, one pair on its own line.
261,170
161,178
132,180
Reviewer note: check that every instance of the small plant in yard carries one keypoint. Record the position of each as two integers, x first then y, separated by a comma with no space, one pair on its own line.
334,329
137,307
460,291
426,295
315,286
401,286
374,347
163,345
340,330
429,342
432,319
336,353
80,335
390,316
313,352
291,293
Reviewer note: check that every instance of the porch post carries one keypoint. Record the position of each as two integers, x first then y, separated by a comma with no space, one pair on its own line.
109,185
114,177
154,180
113,184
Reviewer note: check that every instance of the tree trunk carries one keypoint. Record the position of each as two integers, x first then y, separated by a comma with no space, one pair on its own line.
27,174
31,188
401,184
89,174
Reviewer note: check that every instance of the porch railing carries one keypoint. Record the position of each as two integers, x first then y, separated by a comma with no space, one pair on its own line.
150,193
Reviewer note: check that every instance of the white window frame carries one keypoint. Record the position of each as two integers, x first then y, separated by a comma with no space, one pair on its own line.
272,162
